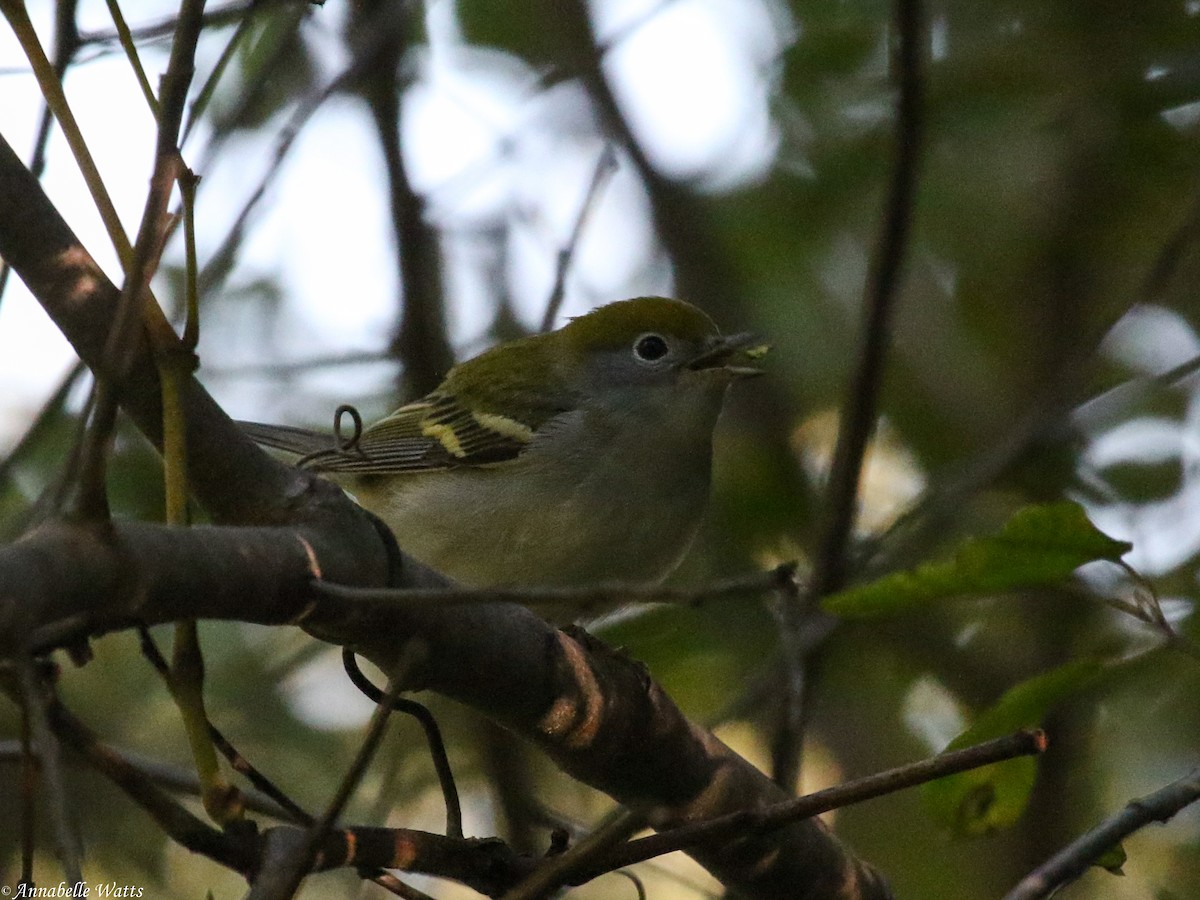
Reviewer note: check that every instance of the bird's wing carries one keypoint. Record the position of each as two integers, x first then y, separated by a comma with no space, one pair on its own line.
434,433
288,438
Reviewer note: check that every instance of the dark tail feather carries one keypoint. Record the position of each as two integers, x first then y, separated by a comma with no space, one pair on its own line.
285,437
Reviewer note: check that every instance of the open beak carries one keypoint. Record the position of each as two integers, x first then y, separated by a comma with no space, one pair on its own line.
722,348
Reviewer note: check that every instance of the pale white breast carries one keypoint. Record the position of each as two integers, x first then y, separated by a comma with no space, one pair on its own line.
601,521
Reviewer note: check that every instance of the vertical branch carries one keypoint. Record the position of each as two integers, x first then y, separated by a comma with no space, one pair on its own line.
793,611
28,794
605,166
860,408
34,707
859,411
703,271
125,37
382,30
281,881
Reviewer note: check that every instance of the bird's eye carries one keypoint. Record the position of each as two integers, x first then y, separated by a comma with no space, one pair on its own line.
650,348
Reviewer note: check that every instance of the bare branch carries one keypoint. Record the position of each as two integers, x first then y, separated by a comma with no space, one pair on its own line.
751,821
605,166
33,703
1074,859
860,409
183,827
433,738
381,32
281,881
580,601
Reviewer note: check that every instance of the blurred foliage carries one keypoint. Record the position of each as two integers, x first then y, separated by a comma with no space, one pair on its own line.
1050,278
993,797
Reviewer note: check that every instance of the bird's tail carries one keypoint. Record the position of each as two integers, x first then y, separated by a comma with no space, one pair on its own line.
300,441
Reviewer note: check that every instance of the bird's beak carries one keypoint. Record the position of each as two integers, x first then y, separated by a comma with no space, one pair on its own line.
721,348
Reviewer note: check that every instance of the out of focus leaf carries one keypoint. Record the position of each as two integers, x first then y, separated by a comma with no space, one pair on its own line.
1039,545
1113,859
518,28
277,61
993,797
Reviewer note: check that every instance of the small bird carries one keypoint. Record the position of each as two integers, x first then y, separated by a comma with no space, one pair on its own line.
579,456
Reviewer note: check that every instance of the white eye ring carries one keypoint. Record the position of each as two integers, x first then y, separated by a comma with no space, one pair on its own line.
650,348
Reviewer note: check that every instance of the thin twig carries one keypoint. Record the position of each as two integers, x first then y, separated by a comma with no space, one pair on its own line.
1074,859
50,410
179,779
793,610
861,405
433,738
883,283
558,870
226,848
34,704
606,165
581,600
390,882
1166,264
287,808
196,110
282,882
1021,743
222,260
1100,409
127,44
300,366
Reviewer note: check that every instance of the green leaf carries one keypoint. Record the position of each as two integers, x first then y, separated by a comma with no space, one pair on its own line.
518,28
1040,545
993,797
1112,860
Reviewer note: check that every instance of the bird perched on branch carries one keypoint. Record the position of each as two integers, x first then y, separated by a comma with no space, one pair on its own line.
579,456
